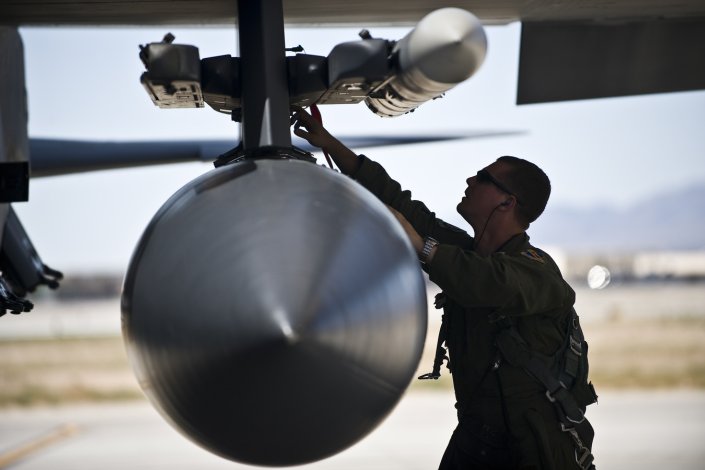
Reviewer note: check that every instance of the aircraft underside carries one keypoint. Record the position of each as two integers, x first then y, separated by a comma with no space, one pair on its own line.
334,13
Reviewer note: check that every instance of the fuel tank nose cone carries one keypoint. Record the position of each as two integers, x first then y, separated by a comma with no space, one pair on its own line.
274,312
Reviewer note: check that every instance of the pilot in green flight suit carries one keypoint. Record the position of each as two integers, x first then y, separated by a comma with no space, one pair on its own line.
504,417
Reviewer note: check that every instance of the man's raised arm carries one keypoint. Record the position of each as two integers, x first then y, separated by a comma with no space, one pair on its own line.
306,127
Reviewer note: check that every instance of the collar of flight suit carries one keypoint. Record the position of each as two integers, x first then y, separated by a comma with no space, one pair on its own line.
516,244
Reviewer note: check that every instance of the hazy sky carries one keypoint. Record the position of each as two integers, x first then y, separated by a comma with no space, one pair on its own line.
84,84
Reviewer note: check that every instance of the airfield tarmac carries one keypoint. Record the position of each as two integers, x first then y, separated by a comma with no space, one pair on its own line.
662,426
635,429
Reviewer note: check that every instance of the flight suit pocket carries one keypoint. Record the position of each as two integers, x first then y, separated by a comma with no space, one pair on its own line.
486,447
543,450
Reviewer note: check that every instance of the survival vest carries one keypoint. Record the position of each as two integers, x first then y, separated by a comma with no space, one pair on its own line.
564,375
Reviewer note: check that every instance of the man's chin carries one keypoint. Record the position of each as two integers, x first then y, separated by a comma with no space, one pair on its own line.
459,207
461,211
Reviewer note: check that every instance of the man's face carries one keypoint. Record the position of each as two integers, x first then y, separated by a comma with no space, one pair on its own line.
482,195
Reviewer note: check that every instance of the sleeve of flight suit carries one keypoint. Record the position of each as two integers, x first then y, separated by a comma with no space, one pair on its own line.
372,176
511,284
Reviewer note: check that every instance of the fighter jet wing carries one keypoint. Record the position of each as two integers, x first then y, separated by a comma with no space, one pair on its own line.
53,157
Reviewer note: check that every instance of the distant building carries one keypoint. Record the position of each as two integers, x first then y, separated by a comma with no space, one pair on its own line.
640,266
670,264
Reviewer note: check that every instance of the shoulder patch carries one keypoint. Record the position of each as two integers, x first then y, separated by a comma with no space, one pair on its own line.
533,255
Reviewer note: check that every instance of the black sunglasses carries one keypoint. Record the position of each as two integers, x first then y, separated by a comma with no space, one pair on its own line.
484,176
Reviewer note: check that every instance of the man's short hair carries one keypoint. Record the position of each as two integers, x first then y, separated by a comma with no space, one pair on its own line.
530,185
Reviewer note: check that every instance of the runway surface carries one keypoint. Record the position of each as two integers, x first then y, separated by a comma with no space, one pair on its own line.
645,430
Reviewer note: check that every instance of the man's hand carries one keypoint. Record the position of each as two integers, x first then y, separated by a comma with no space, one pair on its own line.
308,128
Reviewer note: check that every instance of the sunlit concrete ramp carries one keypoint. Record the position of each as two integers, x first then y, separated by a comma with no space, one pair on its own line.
646,430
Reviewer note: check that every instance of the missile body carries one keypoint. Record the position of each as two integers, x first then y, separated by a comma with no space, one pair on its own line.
445,48
393,78
274,312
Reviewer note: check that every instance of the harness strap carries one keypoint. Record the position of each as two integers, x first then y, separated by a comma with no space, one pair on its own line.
583,456
441,354
516,352
573,349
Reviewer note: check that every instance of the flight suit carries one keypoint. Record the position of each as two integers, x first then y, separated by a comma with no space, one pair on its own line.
505,418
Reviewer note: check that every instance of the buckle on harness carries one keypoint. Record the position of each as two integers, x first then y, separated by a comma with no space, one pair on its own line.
551,396
428,376
580,420
583,456
576,346
585,459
